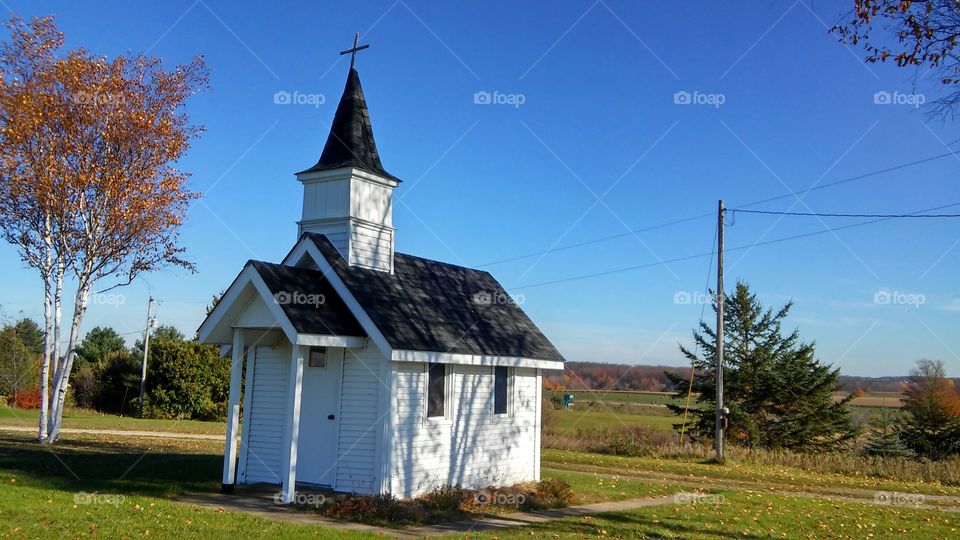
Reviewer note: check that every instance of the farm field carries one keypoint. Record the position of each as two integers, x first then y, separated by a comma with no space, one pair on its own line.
869,399
627,409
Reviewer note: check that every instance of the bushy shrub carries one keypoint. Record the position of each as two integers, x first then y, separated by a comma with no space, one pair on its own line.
447,498
375,510
117,385
448,503
27,399
549,493
84,387
186,380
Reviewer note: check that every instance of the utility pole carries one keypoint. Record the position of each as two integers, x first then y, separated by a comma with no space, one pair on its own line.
720,299
146,349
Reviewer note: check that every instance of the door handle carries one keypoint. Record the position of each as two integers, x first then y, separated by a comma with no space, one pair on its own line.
330,417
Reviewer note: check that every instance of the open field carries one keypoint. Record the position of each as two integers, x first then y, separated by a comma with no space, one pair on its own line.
869,399
596,410
84,419
569,421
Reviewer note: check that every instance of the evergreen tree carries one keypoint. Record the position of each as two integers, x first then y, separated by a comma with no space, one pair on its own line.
97,345
931,406
778,393
887,442
30,334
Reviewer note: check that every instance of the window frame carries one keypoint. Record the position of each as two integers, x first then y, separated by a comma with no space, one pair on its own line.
316,348
509,405
447,394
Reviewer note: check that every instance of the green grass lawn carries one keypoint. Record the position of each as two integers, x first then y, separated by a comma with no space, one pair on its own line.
752,515
598,418
83,419
589,488
771,476
108,487
105,486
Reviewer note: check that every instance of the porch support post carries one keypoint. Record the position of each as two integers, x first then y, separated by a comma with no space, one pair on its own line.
291,432
233,413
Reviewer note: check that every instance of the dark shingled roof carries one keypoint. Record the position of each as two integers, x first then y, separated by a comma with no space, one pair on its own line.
308,300
350,143
432,306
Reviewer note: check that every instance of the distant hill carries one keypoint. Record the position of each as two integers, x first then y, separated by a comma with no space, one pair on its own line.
604,376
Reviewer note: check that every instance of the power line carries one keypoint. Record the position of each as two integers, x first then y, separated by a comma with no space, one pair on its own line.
854,178
708,214
597,240
818,214
738,248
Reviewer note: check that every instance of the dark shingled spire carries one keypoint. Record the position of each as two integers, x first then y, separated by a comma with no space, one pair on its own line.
350,143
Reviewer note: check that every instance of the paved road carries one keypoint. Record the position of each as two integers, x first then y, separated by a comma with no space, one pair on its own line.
122,433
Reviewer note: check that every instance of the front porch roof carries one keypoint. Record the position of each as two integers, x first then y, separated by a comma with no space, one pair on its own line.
298,301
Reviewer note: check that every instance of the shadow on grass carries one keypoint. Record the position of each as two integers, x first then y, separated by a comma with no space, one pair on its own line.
109,466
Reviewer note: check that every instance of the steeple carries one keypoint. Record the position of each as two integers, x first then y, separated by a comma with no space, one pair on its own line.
348,195
351,143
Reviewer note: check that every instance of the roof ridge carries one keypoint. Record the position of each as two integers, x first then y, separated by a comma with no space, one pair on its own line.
444,263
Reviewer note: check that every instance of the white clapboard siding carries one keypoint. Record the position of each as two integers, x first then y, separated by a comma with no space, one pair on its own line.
371,246
371,201
270,379
326,199
357,469
471,446
336,232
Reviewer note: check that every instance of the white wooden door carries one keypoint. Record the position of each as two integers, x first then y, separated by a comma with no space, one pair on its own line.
319,421
268,402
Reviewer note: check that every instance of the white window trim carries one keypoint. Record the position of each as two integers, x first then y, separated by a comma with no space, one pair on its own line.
511,398
448,375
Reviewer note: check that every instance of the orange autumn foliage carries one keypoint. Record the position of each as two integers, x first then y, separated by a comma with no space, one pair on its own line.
92,143
89,187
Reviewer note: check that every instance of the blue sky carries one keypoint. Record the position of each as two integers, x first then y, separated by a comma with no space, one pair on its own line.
597,147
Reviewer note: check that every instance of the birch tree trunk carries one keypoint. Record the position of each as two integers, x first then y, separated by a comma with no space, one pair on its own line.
51,291
45,361
62,375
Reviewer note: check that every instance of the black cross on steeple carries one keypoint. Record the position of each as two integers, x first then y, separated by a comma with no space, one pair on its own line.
353,52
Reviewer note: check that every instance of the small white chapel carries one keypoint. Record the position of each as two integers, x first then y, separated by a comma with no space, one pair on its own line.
363,370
